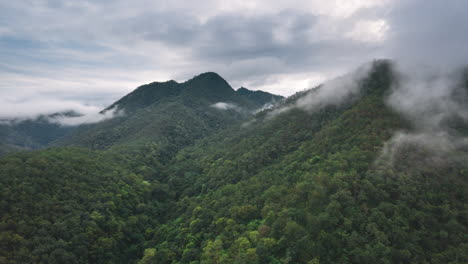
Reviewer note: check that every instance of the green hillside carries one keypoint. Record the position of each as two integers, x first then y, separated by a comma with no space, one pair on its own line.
179,181
170,115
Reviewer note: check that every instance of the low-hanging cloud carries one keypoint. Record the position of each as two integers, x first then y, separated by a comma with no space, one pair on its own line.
264,107
226,106
63,112
333,92
434,101
89,118
438,147
12,107
429,96
336,91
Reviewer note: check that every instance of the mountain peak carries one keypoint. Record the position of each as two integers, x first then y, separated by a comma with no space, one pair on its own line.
170,82
209,85
208,78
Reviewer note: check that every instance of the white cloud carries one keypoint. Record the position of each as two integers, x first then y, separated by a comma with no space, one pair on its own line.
11,108
90,118
226,106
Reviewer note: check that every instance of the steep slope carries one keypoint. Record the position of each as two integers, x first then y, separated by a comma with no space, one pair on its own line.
305,188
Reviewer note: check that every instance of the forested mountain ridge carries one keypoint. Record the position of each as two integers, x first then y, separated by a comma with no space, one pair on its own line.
302,182
170,114
209,86
161,111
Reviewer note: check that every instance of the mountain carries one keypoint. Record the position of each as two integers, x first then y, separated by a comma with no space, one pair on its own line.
168,114
321,177
161,112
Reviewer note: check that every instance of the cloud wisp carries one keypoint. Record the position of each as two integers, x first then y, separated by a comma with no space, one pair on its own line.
435,104
226,106
334,92
65,113
89,118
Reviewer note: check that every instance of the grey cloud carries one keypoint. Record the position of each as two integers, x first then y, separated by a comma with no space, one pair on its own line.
429,32
95,43
245,40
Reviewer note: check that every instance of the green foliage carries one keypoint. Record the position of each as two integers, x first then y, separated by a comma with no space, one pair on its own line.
73,206
305,188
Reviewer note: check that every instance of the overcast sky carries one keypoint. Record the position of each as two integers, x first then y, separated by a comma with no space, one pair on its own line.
57,55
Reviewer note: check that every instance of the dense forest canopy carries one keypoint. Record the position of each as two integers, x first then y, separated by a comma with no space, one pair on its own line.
352,171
